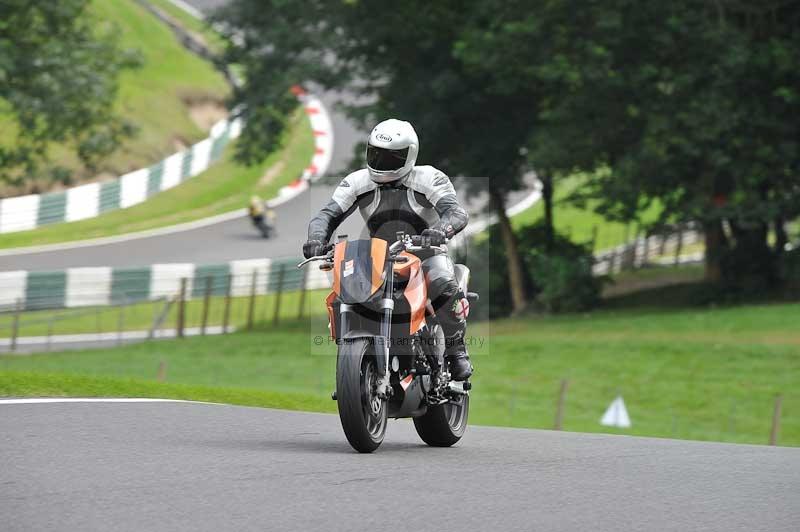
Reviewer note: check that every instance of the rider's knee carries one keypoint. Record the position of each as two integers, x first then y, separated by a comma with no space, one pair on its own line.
443,292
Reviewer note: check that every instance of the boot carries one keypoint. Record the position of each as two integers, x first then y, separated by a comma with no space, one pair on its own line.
457,357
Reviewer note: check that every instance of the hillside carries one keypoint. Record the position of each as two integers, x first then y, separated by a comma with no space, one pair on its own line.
172,99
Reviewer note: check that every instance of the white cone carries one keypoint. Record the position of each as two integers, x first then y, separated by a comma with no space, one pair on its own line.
616,415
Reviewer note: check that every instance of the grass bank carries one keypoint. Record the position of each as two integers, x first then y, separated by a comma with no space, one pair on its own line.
157,98
225,186
709,374
579,223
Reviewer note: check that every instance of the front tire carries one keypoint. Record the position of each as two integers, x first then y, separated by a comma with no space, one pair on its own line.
443,425
362,413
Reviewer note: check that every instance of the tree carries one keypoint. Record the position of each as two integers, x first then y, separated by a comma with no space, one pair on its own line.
402,59
512,45
58,83
685,103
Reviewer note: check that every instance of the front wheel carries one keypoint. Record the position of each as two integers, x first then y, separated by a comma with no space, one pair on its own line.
363,414
443,425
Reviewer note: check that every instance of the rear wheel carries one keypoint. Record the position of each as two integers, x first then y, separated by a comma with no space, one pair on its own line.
443,425
363,414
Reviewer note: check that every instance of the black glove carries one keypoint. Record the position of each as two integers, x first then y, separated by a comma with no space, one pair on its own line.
313,248
436,236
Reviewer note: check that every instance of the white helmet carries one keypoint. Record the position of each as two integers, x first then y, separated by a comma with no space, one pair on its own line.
391,150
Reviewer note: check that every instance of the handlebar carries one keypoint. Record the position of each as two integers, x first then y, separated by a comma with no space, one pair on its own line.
409,243
419,243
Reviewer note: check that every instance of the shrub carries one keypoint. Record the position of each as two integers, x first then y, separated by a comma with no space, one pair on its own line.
559,280
562,278
565,284
790,269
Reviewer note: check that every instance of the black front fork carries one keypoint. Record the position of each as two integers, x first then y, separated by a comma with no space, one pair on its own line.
383,341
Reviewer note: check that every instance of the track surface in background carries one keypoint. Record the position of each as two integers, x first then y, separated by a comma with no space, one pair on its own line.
217,243
191,466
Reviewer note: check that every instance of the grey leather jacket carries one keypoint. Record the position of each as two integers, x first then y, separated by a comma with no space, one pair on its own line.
423,199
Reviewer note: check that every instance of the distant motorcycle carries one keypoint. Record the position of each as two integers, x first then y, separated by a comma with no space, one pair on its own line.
262,217
390,359
262,225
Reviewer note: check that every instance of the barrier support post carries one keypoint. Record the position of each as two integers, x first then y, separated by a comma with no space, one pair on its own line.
277,314
226,314
301,305
251,308
776,421
181,308
206,304
15,325
562,395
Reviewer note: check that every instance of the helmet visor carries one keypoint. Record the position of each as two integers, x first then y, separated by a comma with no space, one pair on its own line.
383,159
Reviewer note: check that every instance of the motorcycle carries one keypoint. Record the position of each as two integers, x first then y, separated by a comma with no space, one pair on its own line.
263,220
390,346
263,226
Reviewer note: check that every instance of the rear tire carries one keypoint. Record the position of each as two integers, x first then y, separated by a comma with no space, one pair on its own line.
362,413
443,425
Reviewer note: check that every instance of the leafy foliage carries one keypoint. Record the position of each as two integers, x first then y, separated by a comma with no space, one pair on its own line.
413,74
685,103
561,274
399,61
558,275
58,79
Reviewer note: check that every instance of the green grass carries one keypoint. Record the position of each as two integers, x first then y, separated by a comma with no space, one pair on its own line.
579,223
224,187
155,97
709,374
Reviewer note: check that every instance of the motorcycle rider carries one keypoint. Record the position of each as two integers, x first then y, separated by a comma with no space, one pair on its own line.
259,215
395,195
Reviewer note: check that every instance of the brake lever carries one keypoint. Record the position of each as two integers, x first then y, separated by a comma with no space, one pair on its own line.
311,259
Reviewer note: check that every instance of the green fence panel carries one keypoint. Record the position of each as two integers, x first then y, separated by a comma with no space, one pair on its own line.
219,279
52,208
45,290
130,284
292,276
186,164
110,195
154,174
219,145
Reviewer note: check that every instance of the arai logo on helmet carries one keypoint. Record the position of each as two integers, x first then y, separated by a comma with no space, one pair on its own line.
384,138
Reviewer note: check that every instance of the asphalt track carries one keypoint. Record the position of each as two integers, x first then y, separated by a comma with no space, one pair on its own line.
189,466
